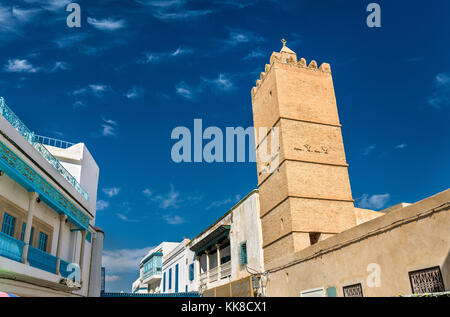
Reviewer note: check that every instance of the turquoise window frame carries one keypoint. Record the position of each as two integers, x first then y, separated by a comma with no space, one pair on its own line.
9,223
243,254
42,242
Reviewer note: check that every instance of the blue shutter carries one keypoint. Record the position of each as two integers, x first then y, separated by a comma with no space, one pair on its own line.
176,278
243,254
170,279
42,243
8,224
191,272
164,282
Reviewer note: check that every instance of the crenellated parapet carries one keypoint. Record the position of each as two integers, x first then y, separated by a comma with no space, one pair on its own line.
288,57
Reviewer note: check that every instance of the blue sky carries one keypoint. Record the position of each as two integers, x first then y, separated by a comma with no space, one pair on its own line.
135,70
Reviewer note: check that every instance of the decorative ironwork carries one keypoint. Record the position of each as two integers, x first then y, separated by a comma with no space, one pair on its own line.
353,290
427,281
9,115
45,140
27,177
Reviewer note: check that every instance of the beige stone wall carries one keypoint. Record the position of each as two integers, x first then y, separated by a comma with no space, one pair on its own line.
309,190
399,242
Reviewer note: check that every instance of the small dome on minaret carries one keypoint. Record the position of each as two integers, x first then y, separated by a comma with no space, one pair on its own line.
286,55
286,49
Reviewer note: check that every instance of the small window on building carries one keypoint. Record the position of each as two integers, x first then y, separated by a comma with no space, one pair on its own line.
42,243
354,290
8,225
427,281
170,279
191,272
314,237
243,254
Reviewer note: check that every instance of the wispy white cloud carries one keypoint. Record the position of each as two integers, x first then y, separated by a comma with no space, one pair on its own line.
156,57
186,91
112,278
112,191
373,202
123,260
222,82
369,149
96,90
173,9
108,127
168,200
125,218
78,104
50,5
101,204
401,146
107,24
20,66
223,202
134,93
441,92
257,53
173,219
70,40
238,36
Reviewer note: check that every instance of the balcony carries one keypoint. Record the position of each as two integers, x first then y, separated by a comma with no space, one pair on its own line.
12,249
42,260
224,269
11,117
63,268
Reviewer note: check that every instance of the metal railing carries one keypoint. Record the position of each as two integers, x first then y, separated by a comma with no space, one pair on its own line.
9,115
45,140
41,260
11,248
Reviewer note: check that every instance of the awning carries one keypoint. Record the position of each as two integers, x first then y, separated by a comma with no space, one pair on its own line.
211,239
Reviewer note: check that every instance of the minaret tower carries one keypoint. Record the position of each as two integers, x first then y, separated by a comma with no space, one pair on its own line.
307,197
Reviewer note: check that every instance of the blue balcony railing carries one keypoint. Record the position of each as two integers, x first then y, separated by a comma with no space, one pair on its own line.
42,260
63,268
11,248
9,115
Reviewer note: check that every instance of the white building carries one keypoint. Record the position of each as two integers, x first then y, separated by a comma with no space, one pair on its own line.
168,268
47,214
229,253
150,269
179,270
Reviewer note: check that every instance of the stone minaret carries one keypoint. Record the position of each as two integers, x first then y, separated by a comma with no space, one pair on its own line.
307,197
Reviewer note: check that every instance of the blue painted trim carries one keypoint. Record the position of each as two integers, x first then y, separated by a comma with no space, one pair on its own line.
23,174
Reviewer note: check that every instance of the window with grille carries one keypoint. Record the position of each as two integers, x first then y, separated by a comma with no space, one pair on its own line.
353,290
427,281
42,242
243,254
8,224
